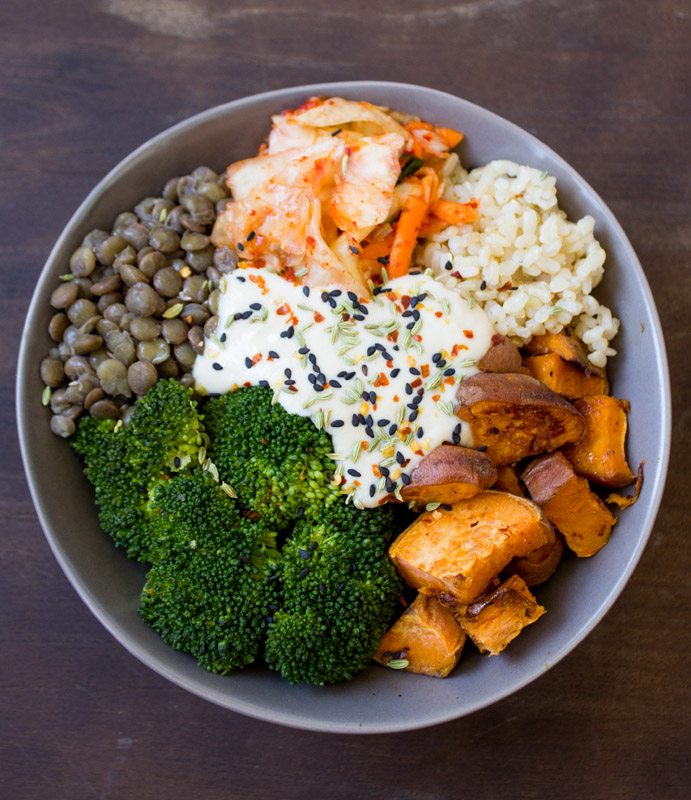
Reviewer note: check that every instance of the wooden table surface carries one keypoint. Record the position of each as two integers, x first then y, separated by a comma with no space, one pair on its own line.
607,85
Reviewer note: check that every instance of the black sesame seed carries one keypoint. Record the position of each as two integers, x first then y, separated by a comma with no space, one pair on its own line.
313,545
264,384
407,313
394,372
413,416
416,315
303,554
354,473
318,387
336,384
353,298
420,433
383,422
369,432
405,478
353,249
495,430
390,485
383,259
408,389
456,438
241,246
483,286
248,363
325,296
273,578
303,351
342,374
482,449
448,265
362,418
306,291
414,371
393,429
290,382
335,133
312,378
365,369
322,588
400,458
372,490
247,315
250,236
176,462
222,337
410,325
256,306
312,358
300,512
337,423
219,367
339,588
237,316
355,420
272,354
384,471
304,573
449,371
359,317
373,397
287,372
436,357
441,364
370,420
371,350
386,356
445,506
290,332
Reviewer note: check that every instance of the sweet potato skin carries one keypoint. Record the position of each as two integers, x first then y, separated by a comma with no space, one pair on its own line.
515,416
563,378
600,455
455,554
427,635
498,617
502,356
569,503
448,474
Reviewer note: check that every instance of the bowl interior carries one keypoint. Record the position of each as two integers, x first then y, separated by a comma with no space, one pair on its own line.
379,700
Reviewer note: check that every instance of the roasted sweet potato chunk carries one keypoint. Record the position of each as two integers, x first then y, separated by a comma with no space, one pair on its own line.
569,503
515,416
497,618
565,344
448,474
540,565
502,356
427,636
600,456
565,378
456,553
507,481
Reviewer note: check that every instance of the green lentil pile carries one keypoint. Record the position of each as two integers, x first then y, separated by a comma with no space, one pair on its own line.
136,303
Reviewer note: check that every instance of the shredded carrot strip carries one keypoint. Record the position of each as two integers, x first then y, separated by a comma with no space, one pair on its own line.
409,223
432,225
450,137
378,248
455,213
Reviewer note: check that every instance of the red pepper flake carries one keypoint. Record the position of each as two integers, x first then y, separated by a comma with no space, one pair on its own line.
318,317
391,296
261,283
310,244
393,337
395,398
438,314
449,381
424,369
382,380
436,397
282,310
375,470
457,348
417,382
389,364
456,274
405,300
417,337
468,334
247,384
256,358
402,601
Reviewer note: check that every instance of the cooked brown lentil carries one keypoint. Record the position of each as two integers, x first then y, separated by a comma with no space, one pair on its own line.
136,302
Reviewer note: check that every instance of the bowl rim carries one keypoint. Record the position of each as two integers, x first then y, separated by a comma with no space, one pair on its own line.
24,422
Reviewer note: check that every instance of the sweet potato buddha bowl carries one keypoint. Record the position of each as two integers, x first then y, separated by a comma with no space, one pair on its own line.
380,699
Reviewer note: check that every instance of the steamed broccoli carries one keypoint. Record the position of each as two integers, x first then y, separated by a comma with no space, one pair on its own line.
126,464
276,462
339,593
213,585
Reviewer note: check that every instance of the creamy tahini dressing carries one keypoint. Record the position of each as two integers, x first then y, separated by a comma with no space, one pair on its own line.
380,376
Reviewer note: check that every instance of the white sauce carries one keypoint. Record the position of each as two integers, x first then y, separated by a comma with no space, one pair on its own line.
389,367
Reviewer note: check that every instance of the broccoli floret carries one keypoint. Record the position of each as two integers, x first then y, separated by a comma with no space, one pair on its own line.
125,464
339,593
276,462
214,583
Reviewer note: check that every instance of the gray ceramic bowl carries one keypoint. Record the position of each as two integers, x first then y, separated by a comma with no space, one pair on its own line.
379,700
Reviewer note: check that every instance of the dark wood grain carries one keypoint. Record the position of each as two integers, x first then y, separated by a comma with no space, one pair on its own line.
607,85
